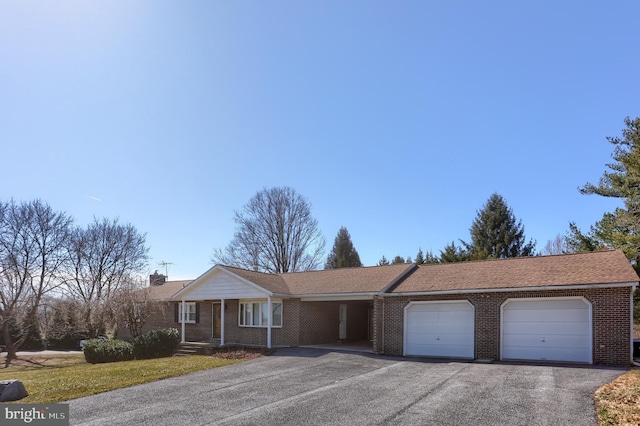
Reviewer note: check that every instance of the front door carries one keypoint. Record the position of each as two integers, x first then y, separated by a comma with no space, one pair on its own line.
216,320
343,322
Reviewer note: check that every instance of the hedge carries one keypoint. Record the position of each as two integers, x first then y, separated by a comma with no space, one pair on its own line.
158,343
99,351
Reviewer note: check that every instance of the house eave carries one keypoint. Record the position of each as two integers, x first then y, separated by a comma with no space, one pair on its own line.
336,297
512,289
180,295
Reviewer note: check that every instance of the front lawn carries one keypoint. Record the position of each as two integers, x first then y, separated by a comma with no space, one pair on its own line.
618,402
56,378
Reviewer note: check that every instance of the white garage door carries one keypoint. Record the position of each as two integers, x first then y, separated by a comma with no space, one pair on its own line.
439,329
547,329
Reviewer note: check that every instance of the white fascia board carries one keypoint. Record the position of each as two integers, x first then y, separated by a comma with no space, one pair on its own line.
196,282
335,297
513,289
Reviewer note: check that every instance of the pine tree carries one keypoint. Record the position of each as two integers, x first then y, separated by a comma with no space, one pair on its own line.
431,258
496,234
420,257
398,259
383,261
620,229
453,253
343,254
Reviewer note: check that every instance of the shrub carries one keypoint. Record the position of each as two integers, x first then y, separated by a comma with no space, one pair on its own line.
156,343
98,351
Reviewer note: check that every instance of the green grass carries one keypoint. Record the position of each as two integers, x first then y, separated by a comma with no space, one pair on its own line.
51,379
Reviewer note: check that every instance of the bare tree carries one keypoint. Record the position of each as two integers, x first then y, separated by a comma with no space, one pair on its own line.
61,323
132,306
104,256
32,255
556,246
275,232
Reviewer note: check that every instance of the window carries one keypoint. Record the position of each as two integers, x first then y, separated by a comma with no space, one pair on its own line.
191,312
255,314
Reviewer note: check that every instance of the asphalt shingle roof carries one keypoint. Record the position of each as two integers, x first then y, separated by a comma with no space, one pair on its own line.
603,267
166,290
372,279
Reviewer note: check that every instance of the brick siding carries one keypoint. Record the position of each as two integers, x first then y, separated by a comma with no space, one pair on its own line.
611,321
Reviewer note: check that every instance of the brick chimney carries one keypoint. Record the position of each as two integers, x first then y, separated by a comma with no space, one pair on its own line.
157,279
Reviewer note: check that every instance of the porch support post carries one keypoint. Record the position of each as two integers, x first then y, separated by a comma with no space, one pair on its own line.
221,322
182,319
269,321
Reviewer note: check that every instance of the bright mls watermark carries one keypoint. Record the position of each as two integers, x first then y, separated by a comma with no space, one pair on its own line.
34,414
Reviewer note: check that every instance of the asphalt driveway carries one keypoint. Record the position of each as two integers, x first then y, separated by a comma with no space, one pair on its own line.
316,387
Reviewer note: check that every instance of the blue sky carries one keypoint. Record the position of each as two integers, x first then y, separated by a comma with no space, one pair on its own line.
397,120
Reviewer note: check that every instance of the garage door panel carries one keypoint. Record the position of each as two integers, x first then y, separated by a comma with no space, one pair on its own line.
547,329
557,304
546,315
440,329
543,327
458,339
548,354
439,317
449,351
440,307
558,341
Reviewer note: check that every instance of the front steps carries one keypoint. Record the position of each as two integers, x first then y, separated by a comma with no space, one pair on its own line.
186,349
197,348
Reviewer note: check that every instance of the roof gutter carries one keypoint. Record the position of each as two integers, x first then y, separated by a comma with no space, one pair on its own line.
335,297
512,289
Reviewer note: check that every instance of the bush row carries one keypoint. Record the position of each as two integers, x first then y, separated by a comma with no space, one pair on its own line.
153,344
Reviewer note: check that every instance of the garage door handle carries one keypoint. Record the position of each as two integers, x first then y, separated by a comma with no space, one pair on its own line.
542,340
438,338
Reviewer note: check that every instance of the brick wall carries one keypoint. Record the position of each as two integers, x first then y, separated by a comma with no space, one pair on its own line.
320,321
287,335
378,307
610,321
164,317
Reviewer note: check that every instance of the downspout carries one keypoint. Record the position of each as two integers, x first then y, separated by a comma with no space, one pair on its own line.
633,290
221,322
182,319
269,321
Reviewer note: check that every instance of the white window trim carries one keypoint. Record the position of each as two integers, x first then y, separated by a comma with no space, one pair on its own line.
187,306
261,302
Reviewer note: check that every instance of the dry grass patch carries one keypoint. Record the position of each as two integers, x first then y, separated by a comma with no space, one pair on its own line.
239,352
618,402
50,379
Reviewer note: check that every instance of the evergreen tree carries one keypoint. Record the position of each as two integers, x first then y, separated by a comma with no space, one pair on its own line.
420,257
496,234
343,254
431,258
383,261
620,229
453,253
398,259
